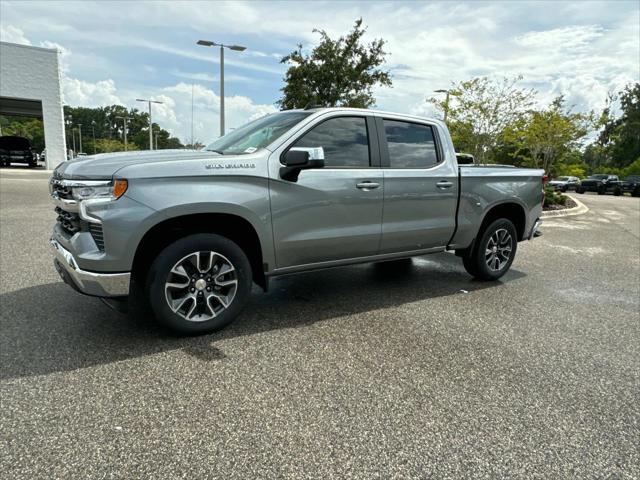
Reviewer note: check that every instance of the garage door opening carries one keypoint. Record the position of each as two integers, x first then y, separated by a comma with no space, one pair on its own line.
22,142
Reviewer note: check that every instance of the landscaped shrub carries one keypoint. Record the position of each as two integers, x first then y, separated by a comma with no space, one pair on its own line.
552,198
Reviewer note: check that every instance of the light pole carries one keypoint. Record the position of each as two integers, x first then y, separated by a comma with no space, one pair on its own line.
124,121
150,121
80,137
237,48
446,102
93,131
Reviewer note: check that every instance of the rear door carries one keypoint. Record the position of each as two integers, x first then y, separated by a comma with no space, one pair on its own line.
331,213
421,187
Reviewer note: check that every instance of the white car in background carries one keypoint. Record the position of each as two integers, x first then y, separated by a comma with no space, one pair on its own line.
565,183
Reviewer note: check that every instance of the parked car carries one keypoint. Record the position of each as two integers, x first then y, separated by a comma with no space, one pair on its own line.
294,191
565,183
631,185
600,183
15,149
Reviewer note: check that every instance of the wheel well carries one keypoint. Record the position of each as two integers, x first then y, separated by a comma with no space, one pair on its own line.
510,211
233,227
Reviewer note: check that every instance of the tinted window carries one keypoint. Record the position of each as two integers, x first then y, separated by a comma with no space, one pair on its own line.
410,145
344,140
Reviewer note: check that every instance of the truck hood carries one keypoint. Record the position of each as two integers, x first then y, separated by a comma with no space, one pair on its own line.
105,165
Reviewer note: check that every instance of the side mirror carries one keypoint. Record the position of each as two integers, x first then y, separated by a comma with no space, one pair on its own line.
297,159
465,159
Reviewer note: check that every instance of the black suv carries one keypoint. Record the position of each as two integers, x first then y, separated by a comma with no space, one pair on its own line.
631,185
16,150
601,183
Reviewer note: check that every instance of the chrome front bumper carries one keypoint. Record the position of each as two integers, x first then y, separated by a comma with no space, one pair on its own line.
89,283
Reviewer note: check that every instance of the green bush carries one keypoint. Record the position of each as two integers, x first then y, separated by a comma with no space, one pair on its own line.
551,198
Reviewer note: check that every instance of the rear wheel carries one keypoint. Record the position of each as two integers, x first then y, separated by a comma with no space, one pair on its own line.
199,284
617,192
493,253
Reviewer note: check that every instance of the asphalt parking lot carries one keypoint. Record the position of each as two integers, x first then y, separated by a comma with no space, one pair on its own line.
405,370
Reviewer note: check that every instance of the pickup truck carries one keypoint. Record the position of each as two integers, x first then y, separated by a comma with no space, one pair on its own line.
600,183
298,190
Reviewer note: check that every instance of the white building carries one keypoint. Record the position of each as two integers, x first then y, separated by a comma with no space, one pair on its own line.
30,86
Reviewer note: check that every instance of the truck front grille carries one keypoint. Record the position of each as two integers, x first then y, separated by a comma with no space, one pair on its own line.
62,191
96,233
69,221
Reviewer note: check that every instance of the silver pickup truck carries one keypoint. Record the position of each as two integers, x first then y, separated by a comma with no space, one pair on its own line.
293,191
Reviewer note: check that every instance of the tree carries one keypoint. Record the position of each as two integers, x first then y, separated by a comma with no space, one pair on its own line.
480,109
105,145
108,126
339,72
620,137
542,138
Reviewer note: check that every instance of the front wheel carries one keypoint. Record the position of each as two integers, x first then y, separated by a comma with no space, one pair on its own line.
493,254
199,284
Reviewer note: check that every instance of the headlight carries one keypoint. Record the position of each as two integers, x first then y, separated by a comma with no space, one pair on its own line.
99,190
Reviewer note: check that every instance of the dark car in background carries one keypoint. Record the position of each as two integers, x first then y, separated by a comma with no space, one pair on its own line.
631,185
600,183
565,183
15,149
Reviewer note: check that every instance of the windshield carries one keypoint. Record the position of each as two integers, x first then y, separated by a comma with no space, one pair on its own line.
257,134
600,176
563,179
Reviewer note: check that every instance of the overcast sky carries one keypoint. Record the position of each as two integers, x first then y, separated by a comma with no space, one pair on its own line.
114,52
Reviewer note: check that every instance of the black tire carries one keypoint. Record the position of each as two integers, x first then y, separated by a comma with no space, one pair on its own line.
617,192
563,189
177,252
579,190
475,263
636,192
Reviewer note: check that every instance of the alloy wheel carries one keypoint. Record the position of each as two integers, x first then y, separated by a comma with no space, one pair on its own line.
498,250
201,285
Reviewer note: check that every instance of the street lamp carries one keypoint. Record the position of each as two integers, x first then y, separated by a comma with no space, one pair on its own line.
237,48
446,102
93,130
150,122
124,121
80,137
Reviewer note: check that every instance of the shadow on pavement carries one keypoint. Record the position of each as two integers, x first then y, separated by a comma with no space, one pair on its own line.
49,328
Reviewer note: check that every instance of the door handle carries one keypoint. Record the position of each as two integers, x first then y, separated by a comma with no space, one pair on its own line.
367,185
444,184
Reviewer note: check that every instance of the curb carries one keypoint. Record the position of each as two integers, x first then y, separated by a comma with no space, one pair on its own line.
579,209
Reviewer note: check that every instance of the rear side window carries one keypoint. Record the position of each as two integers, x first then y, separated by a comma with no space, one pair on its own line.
410,145
344,140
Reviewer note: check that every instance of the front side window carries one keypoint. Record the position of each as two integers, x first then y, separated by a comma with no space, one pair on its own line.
344,140
411,145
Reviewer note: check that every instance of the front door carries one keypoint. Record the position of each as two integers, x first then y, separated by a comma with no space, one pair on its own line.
335,212
421,189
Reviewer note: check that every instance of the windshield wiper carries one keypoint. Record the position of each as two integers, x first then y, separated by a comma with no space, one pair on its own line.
214,150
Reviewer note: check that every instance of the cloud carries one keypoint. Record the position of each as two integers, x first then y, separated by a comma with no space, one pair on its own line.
580,51
206,112
87,94
13,34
